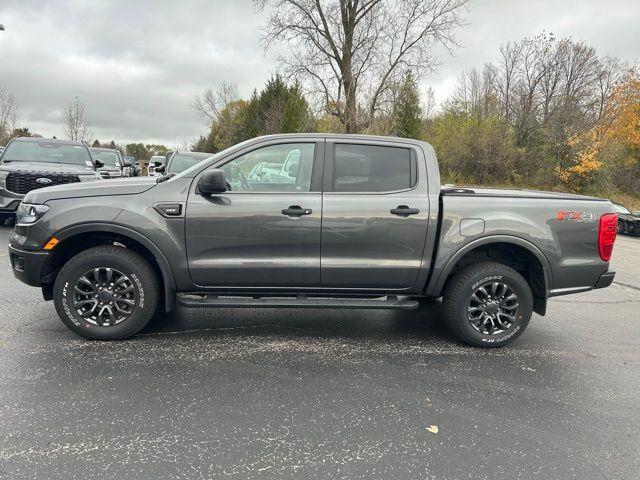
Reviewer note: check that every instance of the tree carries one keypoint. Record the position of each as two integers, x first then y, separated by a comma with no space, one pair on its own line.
96,143
212,101
8,114
156,150
350,53
278,108
407,113
282,109
22,132
613,143
137,150
75,118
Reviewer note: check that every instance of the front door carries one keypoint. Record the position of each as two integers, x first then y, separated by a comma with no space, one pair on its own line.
265,231
375,215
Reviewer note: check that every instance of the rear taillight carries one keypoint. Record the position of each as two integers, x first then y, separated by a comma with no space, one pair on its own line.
607,235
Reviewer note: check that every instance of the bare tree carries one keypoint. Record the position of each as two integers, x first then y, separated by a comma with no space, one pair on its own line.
75,119
349,53
8,113
213,101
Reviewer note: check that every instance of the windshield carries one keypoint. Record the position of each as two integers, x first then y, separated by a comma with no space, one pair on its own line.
47,152
106,157
620,209
182,161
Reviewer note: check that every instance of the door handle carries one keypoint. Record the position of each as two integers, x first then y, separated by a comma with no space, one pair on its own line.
404,211
296,211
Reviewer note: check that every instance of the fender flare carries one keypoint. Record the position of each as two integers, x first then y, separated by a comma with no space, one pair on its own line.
435,287
165,268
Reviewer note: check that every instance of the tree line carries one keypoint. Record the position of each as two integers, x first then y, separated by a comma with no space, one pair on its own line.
547,112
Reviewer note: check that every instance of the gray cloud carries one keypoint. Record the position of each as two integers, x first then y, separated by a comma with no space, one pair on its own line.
137,65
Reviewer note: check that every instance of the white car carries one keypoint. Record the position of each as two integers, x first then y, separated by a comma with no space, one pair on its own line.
155,162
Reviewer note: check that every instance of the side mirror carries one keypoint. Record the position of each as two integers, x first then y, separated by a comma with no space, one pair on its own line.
293,170
160,168
212,181
99,164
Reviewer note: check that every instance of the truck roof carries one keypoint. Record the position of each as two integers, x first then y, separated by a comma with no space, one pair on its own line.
342,136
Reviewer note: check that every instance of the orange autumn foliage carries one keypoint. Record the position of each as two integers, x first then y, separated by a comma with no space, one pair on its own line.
619,125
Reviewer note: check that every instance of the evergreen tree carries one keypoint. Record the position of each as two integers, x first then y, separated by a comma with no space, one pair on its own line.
407,113
96,143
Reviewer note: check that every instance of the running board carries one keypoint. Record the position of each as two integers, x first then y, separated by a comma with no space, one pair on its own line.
300,301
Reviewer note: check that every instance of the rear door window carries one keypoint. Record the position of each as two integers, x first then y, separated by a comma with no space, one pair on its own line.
372,168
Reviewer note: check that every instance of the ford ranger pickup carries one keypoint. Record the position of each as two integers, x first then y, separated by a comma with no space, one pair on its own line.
357,222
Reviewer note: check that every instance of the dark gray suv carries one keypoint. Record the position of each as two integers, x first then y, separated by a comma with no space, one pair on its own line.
30,163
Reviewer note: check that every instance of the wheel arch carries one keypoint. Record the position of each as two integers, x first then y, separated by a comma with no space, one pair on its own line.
77,238
506,249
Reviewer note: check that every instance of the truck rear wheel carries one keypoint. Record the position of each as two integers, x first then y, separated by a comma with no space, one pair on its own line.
106,293
487,304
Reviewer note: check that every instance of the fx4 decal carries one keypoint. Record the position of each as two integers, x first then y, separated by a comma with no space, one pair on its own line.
567,216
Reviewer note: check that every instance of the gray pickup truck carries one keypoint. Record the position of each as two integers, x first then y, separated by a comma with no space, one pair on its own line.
361,222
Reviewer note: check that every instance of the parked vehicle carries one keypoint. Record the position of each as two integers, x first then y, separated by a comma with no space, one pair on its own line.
131,167
180,161
363,224
30,163
628,222
111,159
156,161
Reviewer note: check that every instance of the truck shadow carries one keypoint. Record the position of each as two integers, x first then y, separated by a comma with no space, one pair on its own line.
424,322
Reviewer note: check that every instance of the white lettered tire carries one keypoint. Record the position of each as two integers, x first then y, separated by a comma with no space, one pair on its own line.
106,293
494,318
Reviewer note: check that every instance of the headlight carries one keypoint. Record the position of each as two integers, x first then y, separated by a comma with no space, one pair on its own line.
3,176
29,213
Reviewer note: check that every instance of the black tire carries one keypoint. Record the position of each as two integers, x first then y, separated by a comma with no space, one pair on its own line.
457,299
143,286
621,230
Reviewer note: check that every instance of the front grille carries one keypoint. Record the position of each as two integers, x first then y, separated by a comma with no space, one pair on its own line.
24,182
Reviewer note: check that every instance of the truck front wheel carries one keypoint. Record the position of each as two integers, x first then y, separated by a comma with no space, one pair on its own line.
106,293
487,304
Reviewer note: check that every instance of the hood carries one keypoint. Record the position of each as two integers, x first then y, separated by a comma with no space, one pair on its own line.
47,167
514,192
123,186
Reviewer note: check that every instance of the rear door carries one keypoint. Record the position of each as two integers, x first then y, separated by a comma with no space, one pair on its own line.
265,231
375,214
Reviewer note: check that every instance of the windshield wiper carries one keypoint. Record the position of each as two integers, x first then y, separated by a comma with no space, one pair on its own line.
165,177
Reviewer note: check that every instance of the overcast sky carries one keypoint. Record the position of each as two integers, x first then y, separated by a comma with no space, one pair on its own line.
137,65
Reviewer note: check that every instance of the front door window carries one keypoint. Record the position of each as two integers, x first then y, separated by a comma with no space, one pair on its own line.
272,169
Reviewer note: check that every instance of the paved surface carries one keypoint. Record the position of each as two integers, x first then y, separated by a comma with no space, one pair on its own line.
323,394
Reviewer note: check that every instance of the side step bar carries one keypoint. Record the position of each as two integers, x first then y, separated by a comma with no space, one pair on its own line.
300,301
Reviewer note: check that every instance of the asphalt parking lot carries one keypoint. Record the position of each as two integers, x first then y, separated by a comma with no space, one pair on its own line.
323,394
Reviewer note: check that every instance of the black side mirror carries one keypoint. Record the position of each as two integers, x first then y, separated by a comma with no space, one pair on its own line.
159,167
99,164
293,170
212,181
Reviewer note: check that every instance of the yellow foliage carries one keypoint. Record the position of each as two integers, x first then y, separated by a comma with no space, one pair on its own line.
620,124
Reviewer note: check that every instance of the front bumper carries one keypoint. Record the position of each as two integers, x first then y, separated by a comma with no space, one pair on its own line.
27,266
9,202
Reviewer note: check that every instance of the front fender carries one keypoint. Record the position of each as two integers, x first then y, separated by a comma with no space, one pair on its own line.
121,230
